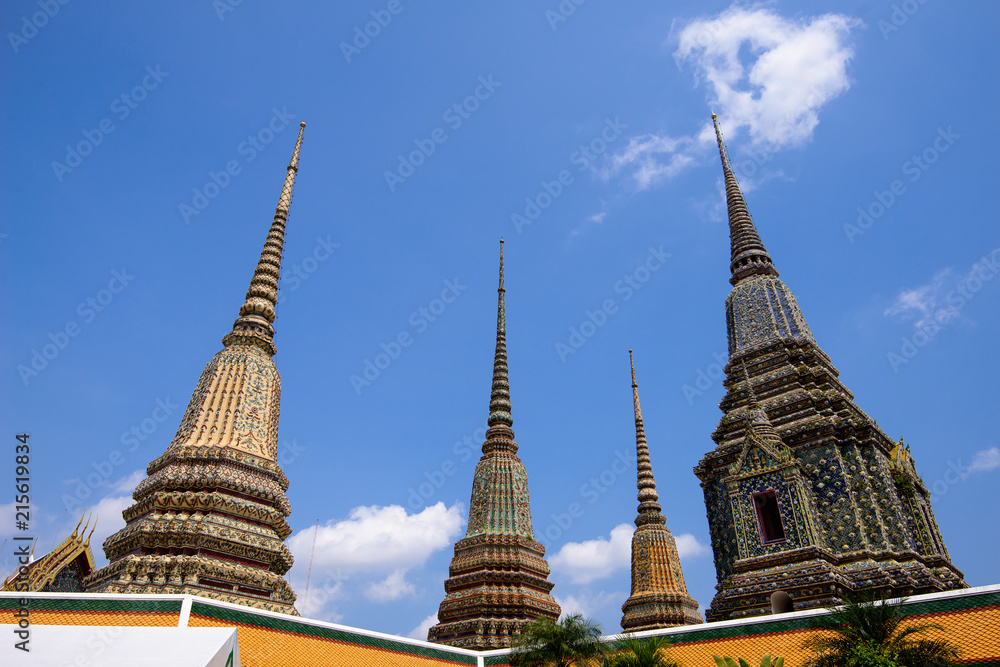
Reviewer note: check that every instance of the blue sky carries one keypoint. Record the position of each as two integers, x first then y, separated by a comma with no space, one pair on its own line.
144,149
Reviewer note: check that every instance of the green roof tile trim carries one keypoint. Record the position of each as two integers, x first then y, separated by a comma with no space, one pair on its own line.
952,604
299,628
496,660
90,604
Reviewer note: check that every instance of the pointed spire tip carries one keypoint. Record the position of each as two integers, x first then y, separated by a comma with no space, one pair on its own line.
256,319
748,257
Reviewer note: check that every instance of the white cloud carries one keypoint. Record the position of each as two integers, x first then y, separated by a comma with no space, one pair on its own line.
795,66
392,587
369,554
584,562
587,561
688,546
985,460
379,540
420,632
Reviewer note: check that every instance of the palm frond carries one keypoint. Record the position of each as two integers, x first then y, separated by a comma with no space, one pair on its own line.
876,626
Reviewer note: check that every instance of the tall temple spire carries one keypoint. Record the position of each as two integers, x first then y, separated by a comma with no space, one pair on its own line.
649,508
498,579
210,518
256,320
659,596
500,394
748,255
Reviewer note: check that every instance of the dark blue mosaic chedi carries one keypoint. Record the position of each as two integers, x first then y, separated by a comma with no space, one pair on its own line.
804,492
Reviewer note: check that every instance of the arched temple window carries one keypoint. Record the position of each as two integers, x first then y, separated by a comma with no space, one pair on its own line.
768,518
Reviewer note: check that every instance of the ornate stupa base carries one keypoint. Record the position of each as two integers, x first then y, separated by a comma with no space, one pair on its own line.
814,578
498,584
657,610
195,575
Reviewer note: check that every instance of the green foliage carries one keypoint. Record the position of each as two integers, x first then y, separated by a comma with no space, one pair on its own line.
864,655
766,661
647,652
904,482
867,632
562,643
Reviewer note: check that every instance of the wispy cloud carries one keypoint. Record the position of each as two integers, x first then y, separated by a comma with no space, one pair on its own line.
985,460
943,298
650,159
591,221
926,303
765,74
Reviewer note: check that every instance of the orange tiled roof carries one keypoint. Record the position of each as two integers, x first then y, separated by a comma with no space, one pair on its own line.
970,618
